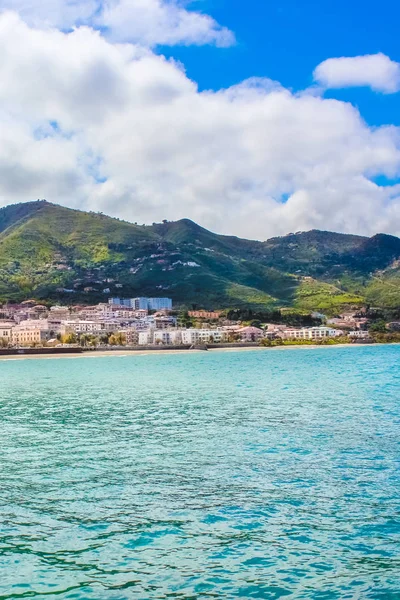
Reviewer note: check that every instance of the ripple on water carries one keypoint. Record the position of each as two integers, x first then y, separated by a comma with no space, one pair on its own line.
238,475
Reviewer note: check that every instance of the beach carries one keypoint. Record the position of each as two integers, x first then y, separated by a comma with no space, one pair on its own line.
167,351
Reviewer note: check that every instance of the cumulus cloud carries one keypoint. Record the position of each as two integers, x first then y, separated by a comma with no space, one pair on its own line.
114,127
155,22
372,70
147,22
52,13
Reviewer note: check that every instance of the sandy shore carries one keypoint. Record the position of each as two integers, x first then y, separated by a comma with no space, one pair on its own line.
124,353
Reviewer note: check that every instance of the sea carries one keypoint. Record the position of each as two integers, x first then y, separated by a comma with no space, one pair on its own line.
243,474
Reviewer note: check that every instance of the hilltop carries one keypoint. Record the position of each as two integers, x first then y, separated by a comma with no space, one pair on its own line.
52,252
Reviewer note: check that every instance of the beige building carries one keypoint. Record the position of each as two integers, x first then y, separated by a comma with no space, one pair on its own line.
22,336
59,313
6,332
204,314
131,336
250,334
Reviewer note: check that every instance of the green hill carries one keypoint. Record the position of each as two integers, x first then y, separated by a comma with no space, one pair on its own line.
51,252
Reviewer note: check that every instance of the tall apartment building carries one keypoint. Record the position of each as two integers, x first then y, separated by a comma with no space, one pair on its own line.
143,303
159,303
128,302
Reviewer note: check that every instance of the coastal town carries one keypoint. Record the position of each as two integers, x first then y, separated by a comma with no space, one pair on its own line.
152,322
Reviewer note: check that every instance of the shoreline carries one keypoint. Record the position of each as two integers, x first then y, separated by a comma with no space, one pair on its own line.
167,351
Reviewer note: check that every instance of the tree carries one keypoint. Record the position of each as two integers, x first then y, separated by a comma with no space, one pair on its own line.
255,323
184,320
88,339
378,327
4,343
117,339
69,338
104,338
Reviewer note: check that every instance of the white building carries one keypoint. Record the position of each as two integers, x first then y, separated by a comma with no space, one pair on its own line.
93,327
146,337
41,324
359,334
172,337
310,333
204,336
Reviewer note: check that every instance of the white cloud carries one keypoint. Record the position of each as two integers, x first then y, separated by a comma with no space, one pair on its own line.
146,22
114,127
372,70
153,22
52,13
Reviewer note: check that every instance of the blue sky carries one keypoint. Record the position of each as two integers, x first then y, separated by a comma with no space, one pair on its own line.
165,109
286,39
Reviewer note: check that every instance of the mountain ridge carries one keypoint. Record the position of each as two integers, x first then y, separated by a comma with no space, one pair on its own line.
52,252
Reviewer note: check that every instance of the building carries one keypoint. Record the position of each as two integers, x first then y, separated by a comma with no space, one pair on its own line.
59,313
204,336
172,337
93,327
203,314
310,333
359,335
250,334
164,322
55,325
22,336
34,324
143,303
146,337
140,303
348,322
159,304
122,302
6,332
131,336
80,326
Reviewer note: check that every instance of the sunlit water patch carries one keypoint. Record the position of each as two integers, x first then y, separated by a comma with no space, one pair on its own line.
266,474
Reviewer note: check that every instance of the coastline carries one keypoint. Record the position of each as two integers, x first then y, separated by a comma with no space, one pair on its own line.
167,351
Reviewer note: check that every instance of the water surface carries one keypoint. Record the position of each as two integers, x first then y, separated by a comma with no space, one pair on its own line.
265,474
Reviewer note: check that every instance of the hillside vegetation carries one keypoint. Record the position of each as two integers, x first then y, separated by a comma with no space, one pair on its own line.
51,252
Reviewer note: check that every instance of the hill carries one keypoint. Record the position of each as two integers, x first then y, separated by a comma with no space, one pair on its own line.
52,252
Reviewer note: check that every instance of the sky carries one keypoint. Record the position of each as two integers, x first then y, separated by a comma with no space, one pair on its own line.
254,118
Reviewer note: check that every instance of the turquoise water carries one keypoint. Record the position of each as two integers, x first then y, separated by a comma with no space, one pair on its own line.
264,474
